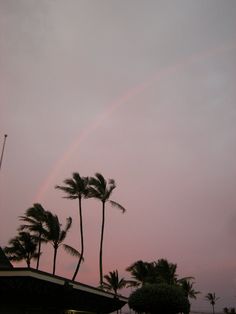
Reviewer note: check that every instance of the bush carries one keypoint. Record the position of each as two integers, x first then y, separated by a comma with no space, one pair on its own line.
159,298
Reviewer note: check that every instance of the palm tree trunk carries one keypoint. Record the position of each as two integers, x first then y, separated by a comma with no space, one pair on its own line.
81,239
213,309
28,262
39,251
101,243
54,260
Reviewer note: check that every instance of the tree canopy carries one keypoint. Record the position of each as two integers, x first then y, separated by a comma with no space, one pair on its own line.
159,298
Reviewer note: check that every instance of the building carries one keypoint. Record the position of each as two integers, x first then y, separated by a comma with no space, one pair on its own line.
26,290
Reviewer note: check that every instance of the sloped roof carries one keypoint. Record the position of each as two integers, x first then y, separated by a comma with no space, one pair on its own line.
35,291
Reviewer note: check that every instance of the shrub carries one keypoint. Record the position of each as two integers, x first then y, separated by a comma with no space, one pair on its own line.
159,298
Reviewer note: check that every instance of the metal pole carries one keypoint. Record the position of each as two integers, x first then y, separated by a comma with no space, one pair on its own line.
3,147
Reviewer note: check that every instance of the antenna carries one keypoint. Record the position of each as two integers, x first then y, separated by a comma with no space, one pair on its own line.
3,147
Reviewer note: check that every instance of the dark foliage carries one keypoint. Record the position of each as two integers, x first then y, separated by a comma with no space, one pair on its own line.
159,298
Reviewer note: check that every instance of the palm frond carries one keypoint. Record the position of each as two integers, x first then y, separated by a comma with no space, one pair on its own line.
28,219
71,192
53,228
72,251
62,236
75,187
93,192
68,224
101,179
117,205
106,286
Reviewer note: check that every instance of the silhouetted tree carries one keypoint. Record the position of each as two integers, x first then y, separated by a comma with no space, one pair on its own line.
227,310
35,223
77,188
102,190
22,247
159,298
113,282
211,297
158,272
166,271
188,289
141,272
187,286
56,235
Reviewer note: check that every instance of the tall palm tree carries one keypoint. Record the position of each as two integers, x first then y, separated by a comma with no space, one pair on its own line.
211,297
22,247
102,190
35,217
113,282
55,235
77,188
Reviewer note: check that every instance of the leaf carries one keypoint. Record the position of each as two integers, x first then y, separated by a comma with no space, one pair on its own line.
72,251
117,205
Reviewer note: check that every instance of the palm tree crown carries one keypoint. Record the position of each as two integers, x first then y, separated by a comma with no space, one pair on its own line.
113,282
102,190
166,271
77,188
56,235
141,272
35,218
187,286
161,271
157,272
22,247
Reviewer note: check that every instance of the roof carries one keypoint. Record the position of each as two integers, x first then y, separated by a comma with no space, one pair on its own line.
35,291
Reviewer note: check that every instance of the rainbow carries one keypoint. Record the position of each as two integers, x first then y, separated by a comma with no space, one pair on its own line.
116,104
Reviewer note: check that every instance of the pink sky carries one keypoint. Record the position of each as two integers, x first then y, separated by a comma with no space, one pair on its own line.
143,92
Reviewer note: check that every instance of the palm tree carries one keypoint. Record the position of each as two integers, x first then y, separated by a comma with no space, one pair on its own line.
77,188
189,291
113,282
35,218
102,190
142,272
55,235
161,271
187,286
166,271
22,247
211,297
